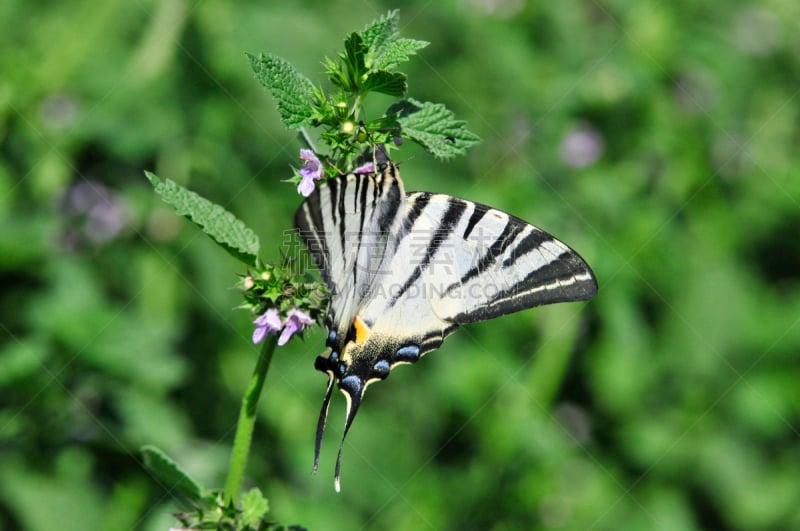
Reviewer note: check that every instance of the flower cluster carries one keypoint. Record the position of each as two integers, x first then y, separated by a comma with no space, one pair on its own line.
284,302
270,323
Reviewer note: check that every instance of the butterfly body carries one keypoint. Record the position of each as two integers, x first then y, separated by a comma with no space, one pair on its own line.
407,269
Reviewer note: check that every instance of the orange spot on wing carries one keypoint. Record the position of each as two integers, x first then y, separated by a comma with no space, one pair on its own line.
361,330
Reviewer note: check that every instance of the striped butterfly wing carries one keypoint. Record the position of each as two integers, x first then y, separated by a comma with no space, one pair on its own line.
434,262
489,263
469,262
344,225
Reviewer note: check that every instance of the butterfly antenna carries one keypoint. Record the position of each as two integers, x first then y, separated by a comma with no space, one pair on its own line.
353,388
323,417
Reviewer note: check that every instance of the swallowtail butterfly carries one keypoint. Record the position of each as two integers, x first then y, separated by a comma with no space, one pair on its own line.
406,269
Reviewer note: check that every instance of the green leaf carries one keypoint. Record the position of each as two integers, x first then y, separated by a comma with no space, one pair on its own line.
254,507
378,35
172,477
222,226
291,90
397,52
384,49
355,51
336,75
391,83
434,127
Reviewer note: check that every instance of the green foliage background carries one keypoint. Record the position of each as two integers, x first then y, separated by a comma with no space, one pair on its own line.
671,401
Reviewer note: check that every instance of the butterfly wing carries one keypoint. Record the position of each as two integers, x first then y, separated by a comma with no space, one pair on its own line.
453,262
344,225
493,263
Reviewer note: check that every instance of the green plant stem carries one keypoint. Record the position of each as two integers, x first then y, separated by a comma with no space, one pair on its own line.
247,420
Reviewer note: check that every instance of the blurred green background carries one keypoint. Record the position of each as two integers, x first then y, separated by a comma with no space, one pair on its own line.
660,139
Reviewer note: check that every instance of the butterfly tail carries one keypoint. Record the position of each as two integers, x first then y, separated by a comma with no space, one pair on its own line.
323,417
353,389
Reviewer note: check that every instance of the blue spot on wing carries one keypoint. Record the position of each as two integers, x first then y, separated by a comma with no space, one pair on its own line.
409,353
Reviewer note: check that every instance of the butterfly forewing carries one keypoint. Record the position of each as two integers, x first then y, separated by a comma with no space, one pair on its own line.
502,264
344,225
459,262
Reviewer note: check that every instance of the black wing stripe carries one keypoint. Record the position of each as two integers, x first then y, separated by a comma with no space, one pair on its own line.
356,195
443,232
564,287
420,201
391,205
506,237
333,188
377,191
532,241
362,186
566,278
477,215
341,185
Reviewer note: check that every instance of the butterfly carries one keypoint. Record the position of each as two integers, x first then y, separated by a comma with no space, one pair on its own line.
405,270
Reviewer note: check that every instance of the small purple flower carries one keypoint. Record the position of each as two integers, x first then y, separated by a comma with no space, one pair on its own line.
312,171
365,168
296,320
582,146
269,323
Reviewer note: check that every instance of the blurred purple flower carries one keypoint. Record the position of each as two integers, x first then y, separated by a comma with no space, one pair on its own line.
296,321
365,168
269,323
312,171
582,146
93,213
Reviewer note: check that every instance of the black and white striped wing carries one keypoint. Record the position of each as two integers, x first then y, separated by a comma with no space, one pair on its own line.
345,224
454,262
496,264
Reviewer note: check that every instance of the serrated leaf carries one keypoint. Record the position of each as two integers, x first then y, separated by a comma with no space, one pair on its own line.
391,83
223,227
378,34
254,507
355,51
397,52
434,127
291,90
172,477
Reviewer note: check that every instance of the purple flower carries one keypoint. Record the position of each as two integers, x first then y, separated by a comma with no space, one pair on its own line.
312,171
582,146
365,168
269,323
296,320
